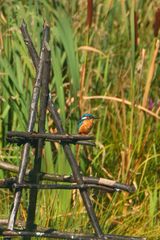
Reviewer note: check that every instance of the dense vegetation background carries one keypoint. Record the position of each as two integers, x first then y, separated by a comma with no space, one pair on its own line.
106,64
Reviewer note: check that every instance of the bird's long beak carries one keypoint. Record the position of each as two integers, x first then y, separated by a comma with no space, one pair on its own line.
96,117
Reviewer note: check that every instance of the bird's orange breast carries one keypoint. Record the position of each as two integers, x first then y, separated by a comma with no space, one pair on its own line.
86,126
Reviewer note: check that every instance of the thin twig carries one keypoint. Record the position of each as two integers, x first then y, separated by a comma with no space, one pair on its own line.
124,101
49,233
41,129
29,44
23,137
65,178
62,186
22,140
11,184
33,135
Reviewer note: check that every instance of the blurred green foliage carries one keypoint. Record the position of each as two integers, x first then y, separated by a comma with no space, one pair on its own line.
124,63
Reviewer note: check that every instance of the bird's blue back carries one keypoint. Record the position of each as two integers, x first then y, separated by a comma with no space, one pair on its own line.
83,118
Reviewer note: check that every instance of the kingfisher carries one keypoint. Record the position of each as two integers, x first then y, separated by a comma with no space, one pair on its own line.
85,123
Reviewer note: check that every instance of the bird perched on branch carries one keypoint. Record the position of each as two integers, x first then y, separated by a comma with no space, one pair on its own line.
85,123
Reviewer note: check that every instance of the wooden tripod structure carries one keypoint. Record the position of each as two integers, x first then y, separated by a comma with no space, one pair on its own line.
42,64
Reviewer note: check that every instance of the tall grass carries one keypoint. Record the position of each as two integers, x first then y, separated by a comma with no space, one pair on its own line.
116,57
